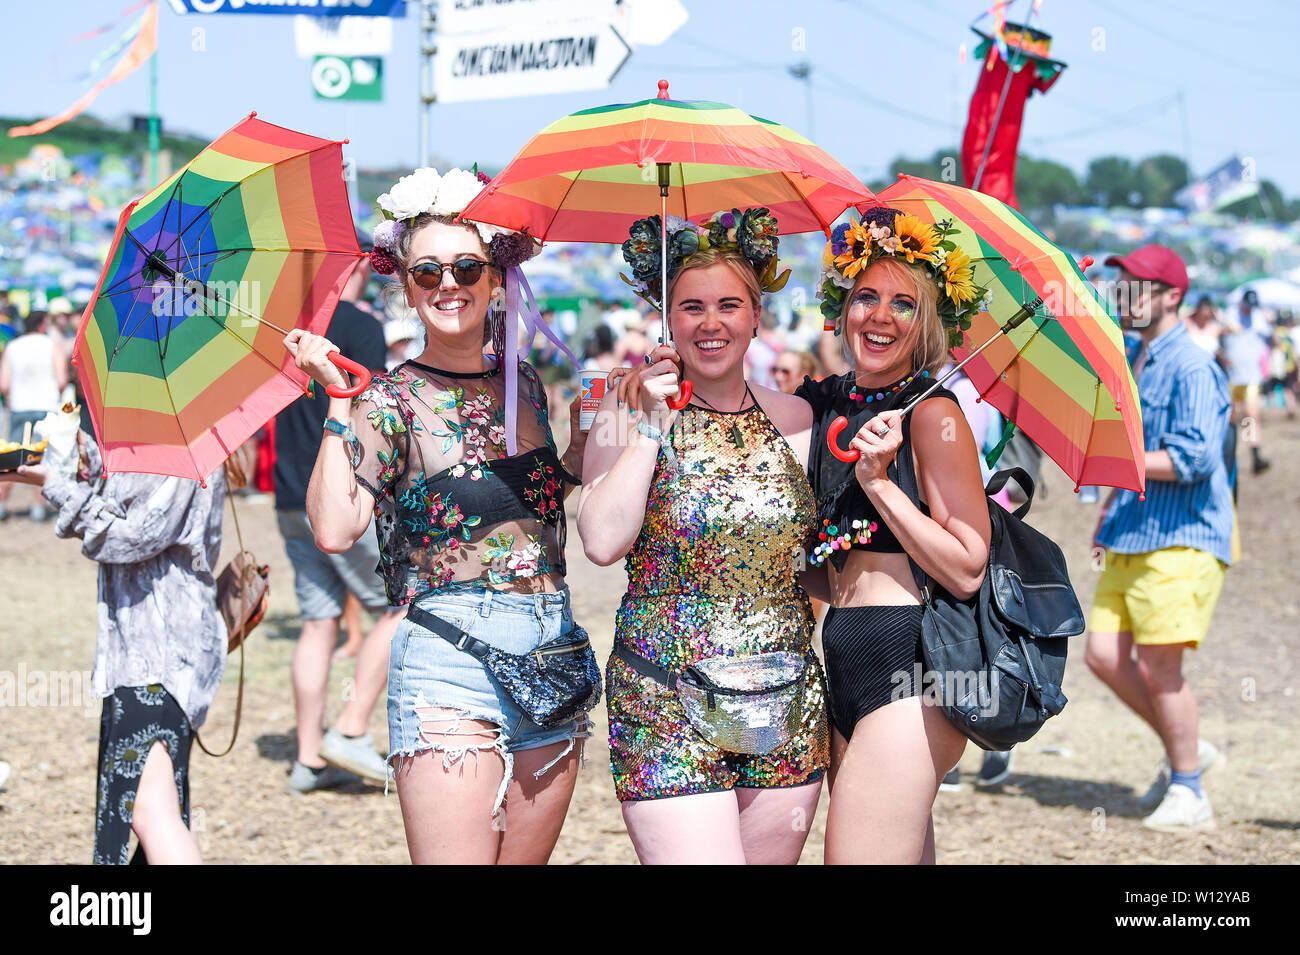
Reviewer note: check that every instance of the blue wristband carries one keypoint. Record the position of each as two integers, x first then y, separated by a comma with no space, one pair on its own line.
344,431
650,431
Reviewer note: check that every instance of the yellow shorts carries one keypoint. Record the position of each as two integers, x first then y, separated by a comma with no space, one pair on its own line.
1244,393
1161,597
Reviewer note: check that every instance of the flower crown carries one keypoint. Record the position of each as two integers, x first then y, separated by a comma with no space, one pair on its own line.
446,194
752,232
855,246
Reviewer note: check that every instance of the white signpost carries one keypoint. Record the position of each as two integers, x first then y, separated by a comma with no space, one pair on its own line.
528,60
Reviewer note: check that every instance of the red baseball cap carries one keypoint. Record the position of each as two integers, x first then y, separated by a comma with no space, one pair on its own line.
1154,263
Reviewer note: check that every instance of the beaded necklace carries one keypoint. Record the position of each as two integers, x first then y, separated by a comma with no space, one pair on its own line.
883,393
832,539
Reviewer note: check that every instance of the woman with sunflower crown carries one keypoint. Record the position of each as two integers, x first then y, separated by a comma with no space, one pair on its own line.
711,507
900,294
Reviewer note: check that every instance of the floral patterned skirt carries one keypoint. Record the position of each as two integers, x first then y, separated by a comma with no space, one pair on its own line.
134,718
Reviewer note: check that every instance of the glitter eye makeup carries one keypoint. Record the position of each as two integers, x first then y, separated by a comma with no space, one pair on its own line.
903,308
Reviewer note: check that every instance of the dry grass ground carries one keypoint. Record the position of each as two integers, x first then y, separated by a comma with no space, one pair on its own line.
1071,797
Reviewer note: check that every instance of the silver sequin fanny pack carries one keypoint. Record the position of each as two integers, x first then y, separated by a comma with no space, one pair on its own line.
749,704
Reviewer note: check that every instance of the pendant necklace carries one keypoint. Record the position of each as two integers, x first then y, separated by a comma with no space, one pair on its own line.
737,438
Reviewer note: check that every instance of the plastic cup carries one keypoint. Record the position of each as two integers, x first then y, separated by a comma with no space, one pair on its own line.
591,386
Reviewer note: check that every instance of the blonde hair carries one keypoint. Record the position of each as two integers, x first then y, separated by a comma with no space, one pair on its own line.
930,353
732,257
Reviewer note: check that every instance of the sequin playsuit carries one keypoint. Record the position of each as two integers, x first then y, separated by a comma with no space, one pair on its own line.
713,571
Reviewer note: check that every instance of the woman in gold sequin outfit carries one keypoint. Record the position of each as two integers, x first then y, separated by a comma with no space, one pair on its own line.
712,509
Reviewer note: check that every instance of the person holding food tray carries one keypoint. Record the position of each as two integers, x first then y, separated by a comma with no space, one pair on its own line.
161,646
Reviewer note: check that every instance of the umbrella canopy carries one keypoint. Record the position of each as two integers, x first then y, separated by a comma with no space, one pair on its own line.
590,175
180,349
1062,376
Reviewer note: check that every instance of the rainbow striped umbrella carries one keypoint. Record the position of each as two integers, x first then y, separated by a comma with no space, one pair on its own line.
589,176
179,350
1062,375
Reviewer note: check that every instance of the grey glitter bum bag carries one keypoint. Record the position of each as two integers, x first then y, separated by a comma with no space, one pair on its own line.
747,704
553,684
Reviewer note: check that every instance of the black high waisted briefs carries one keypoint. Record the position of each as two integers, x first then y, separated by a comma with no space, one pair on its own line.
872,656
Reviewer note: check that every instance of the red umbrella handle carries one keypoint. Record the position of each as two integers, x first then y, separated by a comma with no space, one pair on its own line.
848,455
683,397
348,365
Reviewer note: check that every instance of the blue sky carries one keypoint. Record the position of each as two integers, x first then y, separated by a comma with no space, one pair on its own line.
886,79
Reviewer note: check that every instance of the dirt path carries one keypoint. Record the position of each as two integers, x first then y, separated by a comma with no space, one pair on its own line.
1071,796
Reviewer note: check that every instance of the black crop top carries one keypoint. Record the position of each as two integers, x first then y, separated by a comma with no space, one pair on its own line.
840,498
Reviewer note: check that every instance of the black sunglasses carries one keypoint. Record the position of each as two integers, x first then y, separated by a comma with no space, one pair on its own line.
467,271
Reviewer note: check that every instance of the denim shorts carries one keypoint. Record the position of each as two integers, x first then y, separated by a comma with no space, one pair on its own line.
323,581
426,671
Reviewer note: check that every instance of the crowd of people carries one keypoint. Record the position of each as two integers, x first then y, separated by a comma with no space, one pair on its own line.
739,529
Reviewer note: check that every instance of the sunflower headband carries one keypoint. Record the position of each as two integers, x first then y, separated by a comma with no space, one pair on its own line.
855,246
752,233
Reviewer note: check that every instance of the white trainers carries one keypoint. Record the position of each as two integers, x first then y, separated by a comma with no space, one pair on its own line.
4,773
1181,811
1208,759
354,754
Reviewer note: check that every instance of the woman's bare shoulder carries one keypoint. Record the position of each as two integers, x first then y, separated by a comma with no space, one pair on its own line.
789,413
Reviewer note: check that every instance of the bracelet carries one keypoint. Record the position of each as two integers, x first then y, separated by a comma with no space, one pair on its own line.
650,431
344,431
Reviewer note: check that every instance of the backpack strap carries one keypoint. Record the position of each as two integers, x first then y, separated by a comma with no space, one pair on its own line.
998,481
907,483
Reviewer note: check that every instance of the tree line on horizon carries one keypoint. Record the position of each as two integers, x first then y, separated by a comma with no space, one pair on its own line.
1110,181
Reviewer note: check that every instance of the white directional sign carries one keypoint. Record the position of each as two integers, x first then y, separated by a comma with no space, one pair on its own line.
649,22
525,61
476,16
342,36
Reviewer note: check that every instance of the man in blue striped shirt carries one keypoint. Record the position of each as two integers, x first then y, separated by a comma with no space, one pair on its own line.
1166,555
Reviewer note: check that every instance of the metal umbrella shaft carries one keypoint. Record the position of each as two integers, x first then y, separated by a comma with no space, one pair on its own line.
1024,312
663,168
839,424
684,393
202,291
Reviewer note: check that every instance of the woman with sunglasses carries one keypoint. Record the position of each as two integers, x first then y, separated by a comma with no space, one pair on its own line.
711,507
900,293
468,501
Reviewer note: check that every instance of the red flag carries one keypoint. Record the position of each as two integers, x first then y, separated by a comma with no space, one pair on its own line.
997,108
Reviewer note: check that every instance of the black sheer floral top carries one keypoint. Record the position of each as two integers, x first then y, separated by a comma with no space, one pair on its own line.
452,509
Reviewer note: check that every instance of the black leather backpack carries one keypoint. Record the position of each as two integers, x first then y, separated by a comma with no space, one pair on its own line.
999,656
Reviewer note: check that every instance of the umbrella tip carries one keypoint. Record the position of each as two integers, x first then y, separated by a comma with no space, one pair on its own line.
1076,489
663,89
73,360
1086,262
1142,495
252,114
347,142
203,484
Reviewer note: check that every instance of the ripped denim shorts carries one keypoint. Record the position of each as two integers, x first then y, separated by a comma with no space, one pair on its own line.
427,674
